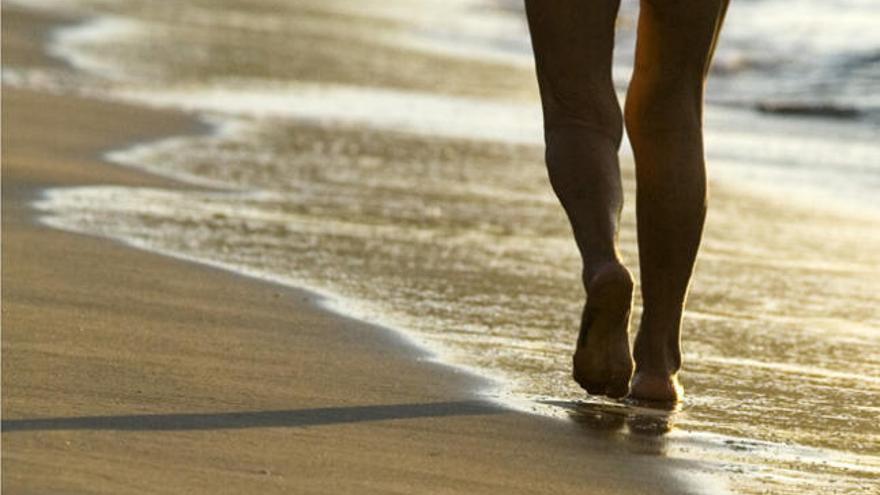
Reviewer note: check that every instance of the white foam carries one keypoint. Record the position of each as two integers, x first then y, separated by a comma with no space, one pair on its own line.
139,155
68,209
404,111
70,43
754,151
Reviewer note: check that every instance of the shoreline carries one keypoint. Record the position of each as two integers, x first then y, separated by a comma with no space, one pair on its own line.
740,447
115,408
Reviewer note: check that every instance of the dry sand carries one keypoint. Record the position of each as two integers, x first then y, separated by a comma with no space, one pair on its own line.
128,372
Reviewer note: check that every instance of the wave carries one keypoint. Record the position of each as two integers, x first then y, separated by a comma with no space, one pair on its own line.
807,109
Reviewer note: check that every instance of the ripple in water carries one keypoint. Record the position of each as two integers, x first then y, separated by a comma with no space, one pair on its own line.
459,242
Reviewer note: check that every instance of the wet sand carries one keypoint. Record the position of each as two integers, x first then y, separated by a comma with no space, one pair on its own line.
128,372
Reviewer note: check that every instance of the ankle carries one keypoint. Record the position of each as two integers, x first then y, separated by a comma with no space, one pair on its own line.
656,355
599,272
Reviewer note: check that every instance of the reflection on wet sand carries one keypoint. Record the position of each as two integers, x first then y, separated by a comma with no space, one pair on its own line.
639,419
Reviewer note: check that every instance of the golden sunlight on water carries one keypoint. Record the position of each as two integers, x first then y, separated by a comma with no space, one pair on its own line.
460,242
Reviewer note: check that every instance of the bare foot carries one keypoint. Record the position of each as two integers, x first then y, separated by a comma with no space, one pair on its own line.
656,387
602,361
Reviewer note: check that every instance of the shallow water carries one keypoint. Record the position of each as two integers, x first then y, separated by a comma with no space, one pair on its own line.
362,154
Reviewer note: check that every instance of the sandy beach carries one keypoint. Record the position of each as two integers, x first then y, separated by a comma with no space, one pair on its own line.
311,246
130,372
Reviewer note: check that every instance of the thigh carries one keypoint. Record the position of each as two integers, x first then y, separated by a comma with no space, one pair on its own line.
573,41
676,39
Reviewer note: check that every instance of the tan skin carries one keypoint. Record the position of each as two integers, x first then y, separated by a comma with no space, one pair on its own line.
583,123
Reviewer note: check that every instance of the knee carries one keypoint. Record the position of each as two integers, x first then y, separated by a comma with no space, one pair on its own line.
593,109
662,103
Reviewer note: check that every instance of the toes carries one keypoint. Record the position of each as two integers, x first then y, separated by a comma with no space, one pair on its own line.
617,389
621,373
594,385
593,388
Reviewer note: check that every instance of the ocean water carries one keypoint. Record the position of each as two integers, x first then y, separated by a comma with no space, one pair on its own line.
388,155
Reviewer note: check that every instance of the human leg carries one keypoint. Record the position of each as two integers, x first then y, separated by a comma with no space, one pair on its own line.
573,43
664,106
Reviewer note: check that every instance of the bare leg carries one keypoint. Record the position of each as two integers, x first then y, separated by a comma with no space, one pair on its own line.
664,122
573,42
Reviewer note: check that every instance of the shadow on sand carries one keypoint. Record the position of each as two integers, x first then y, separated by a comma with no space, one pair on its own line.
255,419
